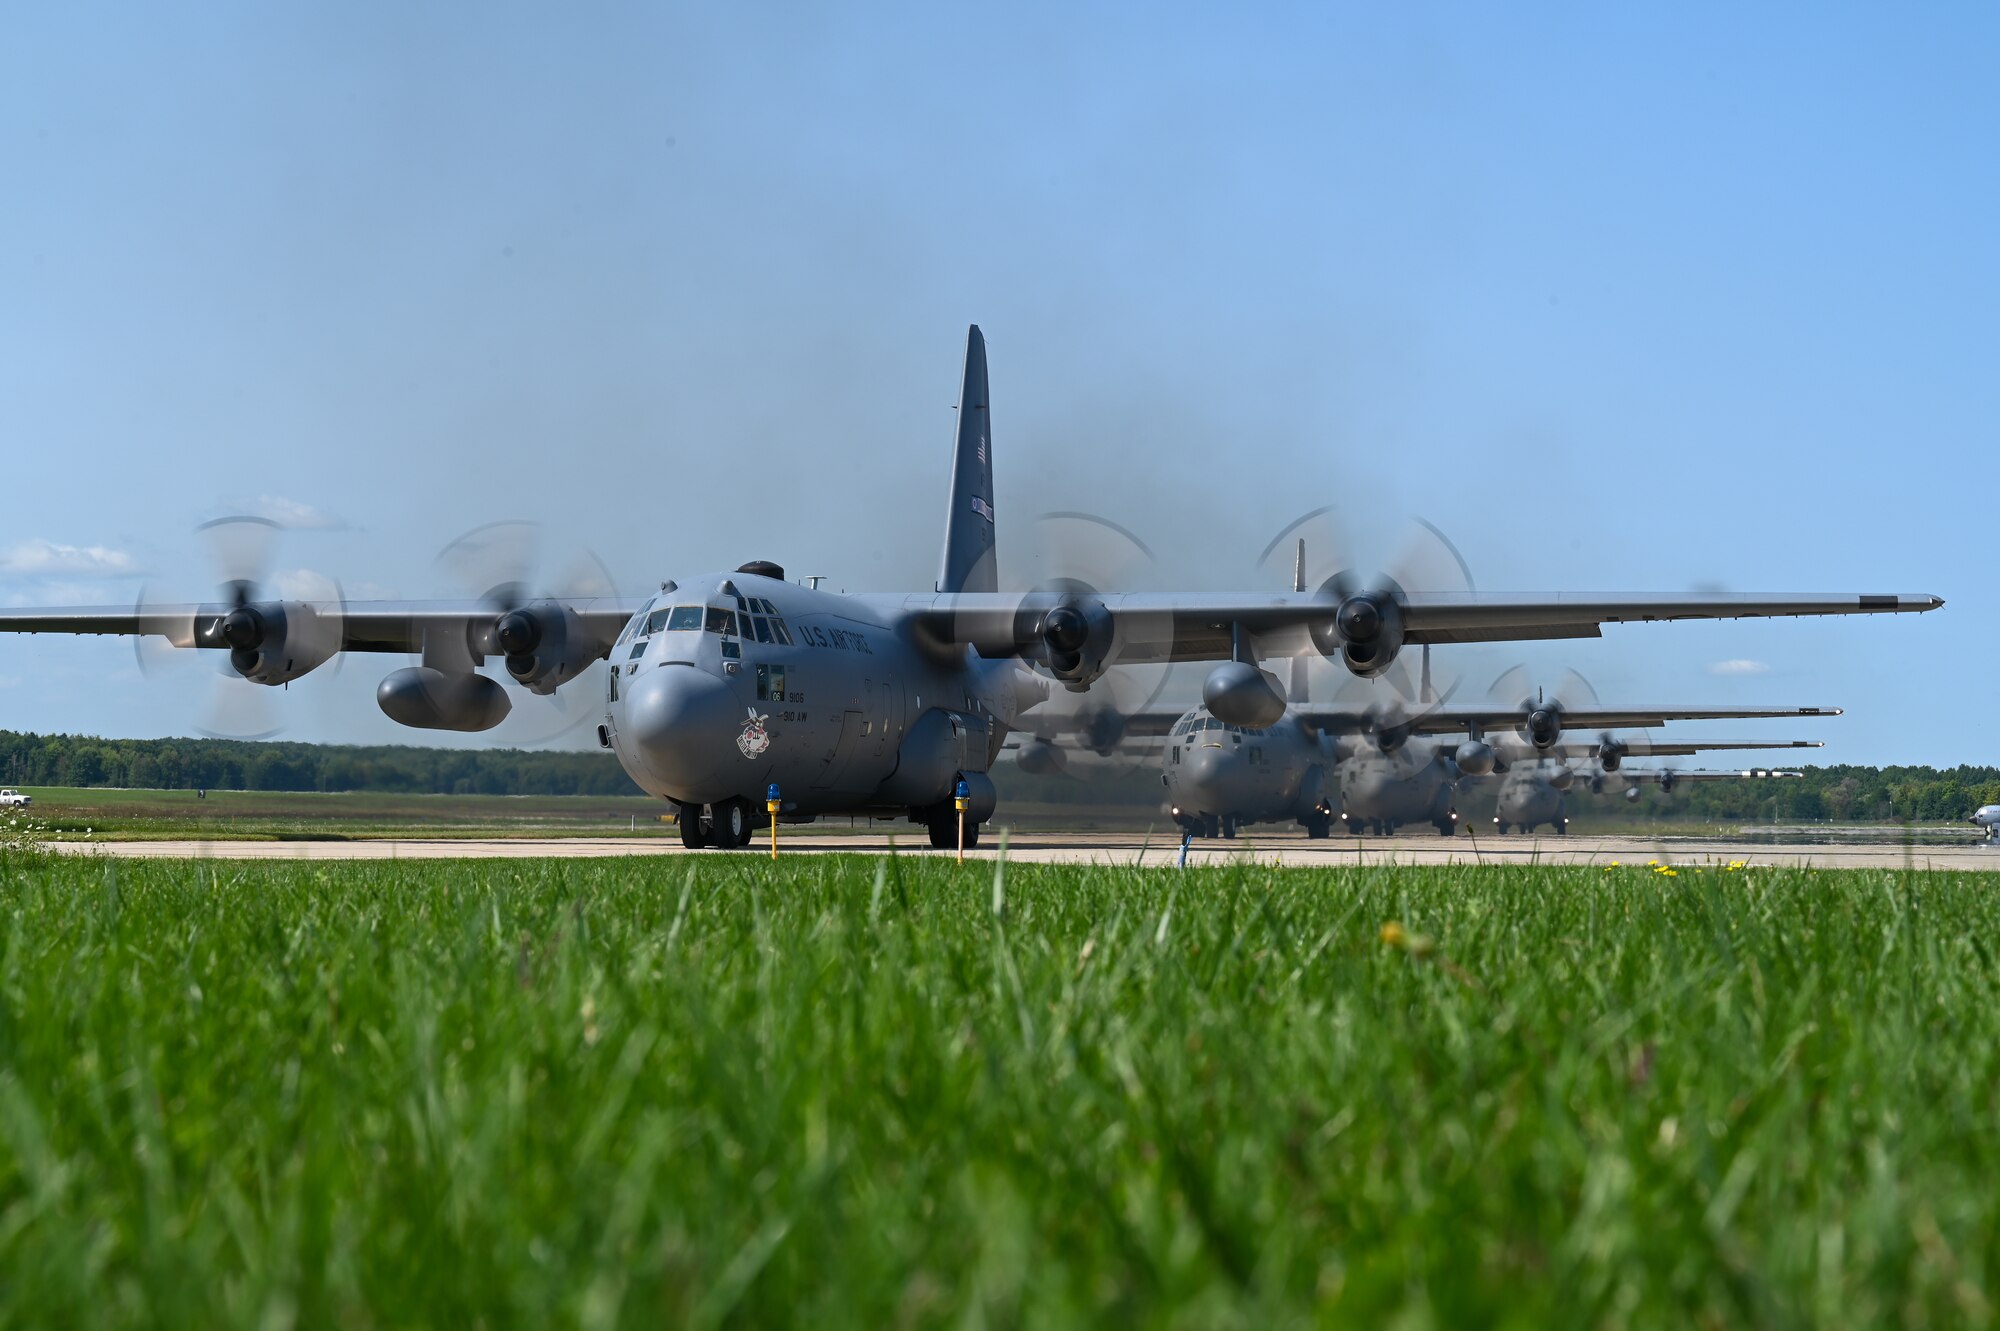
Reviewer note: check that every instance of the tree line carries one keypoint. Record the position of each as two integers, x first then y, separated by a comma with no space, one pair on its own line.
1839,793
229,764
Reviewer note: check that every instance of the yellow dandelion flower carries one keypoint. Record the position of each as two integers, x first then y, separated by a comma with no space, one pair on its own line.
1393,935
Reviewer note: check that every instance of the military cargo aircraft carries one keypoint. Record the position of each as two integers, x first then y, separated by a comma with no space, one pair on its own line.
1534,793
1988,817
1324,769
728,685
1381,794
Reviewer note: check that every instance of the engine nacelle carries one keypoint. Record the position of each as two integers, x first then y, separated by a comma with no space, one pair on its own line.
1240,694
1474,758
1366,631
1072,637
1631,794
433,700
545,645
1611,755
1041,758
274,642
1544,726
1100,727
1562,778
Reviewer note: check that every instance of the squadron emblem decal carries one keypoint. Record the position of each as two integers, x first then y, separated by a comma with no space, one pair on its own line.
754,739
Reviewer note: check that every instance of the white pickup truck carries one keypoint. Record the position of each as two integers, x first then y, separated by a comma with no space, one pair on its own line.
15,799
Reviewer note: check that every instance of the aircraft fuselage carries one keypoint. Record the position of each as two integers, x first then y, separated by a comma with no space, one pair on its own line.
1219,776
1410,784
724,685
1527,799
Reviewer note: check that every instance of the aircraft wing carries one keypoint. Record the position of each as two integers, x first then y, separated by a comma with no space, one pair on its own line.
1637,747
363,626
1164,627
1443,718
1147,723
1667,776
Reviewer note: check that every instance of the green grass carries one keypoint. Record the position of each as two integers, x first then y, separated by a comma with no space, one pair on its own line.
844,1091
173,815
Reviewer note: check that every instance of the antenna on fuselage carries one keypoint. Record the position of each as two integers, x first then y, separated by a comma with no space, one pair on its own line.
813,580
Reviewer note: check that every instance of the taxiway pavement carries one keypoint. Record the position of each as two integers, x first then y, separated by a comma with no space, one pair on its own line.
1135,848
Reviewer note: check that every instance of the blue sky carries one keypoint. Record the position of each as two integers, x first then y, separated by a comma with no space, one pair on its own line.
1621,300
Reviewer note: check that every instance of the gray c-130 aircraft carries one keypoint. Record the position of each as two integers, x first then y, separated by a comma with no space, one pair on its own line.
728,683
1536,792
1323,766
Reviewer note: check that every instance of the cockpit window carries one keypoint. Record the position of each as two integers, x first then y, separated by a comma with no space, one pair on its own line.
721,621
780,633
637,624
760,627
682,617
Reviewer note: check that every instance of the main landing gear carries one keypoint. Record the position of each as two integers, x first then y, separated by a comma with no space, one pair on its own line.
944,830
725,826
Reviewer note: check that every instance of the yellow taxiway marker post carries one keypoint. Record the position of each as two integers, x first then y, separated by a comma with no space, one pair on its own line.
963,798
771,803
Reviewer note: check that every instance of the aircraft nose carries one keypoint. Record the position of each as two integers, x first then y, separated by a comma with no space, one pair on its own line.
684,723
1204,771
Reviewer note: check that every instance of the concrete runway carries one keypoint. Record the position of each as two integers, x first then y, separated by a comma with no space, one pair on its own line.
1134,848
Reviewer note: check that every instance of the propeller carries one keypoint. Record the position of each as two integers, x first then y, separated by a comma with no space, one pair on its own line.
1541,710
1397,700
1075,558
1612,752
506,566
274,627
1365,629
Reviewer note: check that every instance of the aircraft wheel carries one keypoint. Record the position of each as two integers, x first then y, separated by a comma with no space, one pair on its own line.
944,831
971,835
730,825
1211,826
1318,825
1562,827
1499,828
1446,827
690,821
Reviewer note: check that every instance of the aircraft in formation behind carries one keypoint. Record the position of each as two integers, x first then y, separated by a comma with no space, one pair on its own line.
1366,769
725,685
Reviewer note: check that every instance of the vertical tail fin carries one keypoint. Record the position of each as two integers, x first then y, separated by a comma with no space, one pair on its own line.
1297,693
969,559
